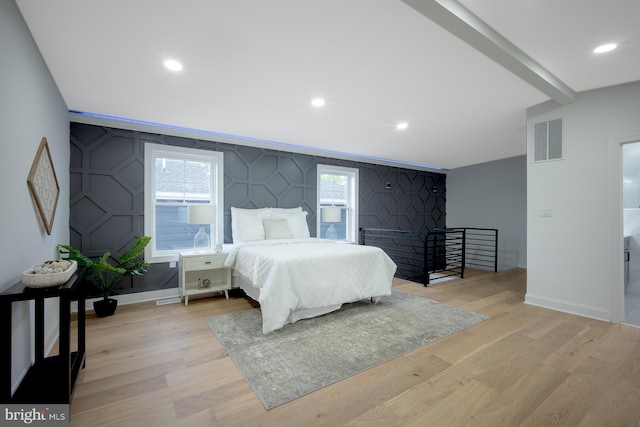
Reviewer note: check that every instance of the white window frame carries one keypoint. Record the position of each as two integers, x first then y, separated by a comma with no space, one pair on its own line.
352,175
215,158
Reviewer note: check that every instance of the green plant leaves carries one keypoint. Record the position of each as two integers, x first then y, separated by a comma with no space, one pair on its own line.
105,275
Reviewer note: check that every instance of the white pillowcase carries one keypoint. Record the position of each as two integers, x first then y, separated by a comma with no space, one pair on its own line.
246,224
276,228
285,210
297,223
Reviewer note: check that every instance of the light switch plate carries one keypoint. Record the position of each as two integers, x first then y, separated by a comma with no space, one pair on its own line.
545,212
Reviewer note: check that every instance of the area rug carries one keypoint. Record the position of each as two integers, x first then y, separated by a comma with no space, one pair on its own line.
312,353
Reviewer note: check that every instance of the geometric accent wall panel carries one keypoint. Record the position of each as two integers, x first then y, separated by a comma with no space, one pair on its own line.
107,191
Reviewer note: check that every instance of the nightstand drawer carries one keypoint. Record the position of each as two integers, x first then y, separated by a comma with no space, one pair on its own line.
204,262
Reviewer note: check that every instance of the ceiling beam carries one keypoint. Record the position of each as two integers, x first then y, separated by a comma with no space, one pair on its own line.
461,22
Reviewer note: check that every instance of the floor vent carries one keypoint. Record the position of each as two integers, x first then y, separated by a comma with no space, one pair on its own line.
168,301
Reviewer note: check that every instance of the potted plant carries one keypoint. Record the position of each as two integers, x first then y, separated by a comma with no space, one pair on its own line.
107,276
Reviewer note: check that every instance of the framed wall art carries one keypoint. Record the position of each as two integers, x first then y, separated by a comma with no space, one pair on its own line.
43,185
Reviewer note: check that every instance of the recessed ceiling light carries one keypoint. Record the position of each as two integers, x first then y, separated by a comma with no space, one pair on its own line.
317,102
402,125
605,48
173,65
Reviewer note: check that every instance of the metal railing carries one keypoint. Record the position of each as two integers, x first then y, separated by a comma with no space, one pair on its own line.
445,254
481,249
426,257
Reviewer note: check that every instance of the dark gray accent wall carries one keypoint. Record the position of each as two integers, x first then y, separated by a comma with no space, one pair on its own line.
107,191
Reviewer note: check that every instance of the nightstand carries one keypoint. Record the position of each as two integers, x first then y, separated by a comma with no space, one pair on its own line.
198,268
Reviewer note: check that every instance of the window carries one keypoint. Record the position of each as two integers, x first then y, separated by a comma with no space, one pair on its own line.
176,177
337,203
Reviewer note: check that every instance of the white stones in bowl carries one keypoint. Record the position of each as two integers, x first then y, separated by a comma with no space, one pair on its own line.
49,273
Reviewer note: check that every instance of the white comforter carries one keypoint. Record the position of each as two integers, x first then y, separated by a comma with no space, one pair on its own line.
300,274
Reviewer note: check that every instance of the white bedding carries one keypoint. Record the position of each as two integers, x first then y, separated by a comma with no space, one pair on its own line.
299,278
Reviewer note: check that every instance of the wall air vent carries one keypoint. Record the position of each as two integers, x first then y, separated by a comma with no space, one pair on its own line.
547,140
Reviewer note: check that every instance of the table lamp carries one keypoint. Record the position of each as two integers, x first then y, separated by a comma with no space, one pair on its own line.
201,215
331,214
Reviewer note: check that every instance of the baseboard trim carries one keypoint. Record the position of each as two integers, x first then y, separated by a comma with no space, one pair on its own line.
133,298
569,307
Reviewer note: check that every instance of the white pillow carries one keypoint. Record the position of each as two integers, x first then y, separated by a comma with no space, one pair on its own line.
297,223
246,224
285,210
276,228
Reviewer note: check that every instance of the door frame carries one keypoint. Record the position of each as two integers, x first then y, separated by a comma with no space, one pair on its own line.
617,223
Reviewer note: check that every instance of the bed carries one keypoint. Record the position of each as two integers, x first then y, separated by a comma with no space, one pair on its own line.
294,276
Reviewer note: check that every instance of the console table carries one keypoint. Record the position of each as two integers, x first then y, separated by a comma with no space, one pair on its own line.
49,379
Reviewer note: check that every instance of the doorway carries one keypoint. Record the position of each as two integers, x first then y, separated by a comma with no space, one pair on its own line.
631,227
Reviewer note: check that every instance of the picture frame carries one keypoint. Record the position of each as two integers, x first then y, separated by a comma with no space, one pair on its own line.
43,185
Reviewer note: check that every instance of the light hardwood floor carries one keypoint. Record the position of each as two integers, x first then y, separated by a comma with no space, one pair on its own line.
524,366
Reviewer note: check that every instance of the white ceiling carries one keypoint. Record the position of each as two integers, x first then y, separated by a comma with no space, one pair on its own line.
252,67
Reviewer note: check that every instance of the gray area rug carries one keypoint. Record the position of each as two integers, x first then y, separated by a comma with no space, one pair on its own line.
312,353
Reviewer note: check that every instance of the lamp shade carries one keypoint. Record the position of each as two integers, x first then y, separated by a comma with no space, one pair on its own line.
202,214
331,214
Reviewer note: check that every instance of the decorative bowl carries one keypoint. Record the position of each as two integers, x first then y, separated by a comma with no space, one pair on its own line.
36,277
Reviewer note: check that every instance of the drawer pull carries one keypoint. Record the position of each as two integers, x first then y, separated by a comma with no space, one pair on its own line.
207,262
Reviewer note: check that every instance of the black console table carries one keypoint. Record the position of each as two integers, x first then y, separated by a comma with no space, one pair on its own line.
49,379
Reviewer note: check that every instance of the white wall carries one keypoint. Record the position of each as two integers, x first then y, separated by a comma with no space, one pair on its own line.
575,256
493,195
30,107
